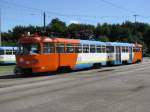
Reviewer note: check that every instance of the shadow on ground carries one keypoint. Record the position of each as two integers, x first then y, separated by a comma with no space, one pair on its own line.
106,70
7,64
14,76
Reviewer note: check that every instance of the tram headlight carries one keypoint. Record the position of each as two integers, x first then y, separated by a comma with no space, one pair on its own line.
21,60
27,62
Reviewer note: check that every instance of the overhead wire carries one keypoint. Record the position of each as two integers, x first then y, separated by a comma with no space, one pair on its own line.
118,6
36,11
59,14
134,13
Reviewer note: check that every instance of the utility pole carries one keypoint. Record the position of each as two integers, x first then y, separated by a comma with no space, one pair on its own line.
135,25
0,28
44,17
135,17
135,20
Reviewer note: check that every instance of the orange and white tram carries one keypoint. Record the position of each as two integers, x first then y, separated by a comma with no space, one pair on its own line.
44,54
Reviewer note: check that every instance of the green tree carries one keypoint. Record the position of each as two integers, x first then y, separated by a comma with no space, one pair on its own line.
76,30
57,27
103,39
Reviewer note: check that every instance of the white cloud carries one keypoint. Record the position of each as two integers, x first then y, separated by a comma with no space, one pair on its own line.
74,21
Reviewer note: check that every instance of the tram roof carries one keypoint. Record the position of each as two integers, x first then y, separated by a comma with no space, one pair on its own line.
119,44
47,39
92,42
7,48
105,43
65,40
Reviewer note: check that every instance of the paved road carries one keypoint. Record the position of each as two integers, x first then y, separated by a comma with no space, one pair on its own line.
109,89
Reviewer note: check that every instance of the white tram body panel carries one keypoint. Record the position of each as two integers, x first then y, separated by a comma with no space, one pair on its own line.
7,55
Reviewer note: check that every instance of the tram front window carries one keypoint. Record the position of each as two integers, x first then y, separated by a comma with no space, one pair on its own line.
28,48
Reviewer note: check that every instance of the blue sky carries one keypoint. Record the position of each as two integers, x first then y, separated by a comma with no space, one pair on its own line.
80,11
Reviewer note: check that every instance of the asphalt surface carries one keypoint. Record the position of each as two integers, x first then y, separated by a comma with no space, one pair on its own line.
109,89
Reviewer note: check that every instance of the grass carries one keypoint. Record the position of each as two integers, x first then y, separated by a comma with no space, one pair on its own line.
6,69
8,44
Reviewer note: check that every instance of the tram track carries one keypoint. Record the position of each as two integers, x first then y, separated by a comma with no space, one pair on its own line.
85,73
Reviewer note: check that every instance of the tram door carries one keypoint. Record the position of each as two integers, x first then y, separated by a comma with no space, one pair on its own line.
118,54
130,54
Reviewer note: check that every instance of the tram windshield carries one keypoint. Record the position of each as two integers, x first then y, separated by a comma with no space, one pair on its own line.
27,48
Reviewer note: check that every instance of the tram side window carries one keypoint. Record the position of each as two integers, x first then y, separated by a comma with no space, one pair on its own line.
92,49
123,49
14,51
78,48
127,49
98,47
49,48
133,49
69,48
1,52
8,52
85,48
136,49
60,48
140,49
35,48
103,49
110,49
